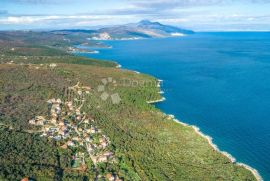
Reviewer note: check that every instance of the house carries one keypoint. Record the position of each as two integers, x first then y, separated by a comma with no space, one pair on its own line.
32,121
117,178
110,177
103,144
61,123
78,112
46,128
54,114
52,129
70,143
53,121
61,133
108,154
81,142
57,110
79,92
63,128
103,139
102,158
78,118
76,138
64,146
43,134
40,118
70,106
86,88
92,130
39,123
89,148
57,138
58,101
89,139
89,131
51,101
52,65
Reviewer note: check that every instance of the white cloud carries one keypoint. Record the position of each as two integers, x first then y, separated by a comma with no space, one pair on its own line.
186,13
63,21
40,19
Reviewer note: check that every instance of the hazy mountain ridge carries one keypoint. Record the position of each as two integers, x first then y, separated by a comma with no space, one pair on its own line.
142,29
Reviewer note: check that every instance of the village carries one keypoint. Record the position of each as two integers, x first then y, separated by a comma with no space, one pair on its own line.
67,124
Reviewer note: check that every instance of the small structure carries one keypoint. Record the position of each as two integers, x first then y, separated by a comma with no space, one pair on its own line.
70,143
102,158
32,121
110,177
52,65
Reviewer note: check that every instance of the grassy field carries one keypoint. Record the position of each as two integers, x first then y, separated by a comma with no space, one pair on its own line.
147,144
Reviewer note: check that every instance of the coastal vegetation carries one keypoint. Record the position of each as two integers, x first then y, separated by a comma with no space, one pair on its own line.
146,143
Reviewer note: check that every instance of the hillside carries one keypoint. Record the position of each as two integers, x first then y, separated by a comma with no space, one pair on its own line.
144,143
142,29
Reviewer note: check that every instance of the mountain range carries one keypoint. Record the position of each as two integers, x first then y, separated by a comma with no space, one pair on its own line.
140,30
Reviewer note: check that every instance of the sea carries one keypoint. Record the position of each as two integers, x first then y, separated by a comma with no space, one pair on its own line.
219,82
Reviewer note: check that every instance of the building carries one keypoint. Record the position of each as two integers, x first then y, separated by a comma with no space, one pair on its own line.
110,177
32,121
70,143
108,154
39,123
102,158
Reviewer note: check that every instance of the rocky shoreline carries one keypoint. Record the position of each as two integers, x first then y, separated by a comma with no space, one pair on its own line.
209,139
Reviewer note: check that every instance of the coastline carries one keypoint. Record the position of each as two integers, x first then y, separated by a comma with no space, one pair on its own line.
118,66
198,132
209,139
215,147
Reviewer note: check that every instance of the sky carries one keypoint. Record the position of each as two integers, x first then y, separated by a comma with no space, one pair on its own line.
198,15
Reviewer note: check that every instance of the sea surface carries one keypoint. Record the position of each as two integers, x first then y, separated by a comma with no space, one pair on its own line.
219,82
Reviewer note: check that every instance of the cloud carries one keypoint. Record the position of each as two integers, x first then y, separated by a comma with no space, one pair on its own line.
167,8
62,21
186,13
40,19
163,5
185,3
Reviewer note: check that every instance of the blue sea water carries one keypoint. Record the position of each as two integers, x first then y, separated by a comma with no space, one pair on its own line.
219,82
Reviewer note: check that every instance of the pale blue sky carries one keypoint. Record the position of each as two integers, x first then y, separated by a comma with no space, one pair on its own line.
199,15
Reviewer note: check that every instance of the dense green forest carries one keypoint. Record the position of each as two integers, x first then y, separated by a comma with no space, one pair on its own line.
147,144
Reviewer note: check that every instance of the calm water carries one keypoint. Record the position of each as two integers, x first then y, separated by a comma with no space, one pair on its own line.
217,81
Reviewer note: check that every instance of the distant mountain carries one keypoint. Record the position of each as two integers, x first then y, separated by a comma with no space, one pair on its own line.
146,24
142,29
